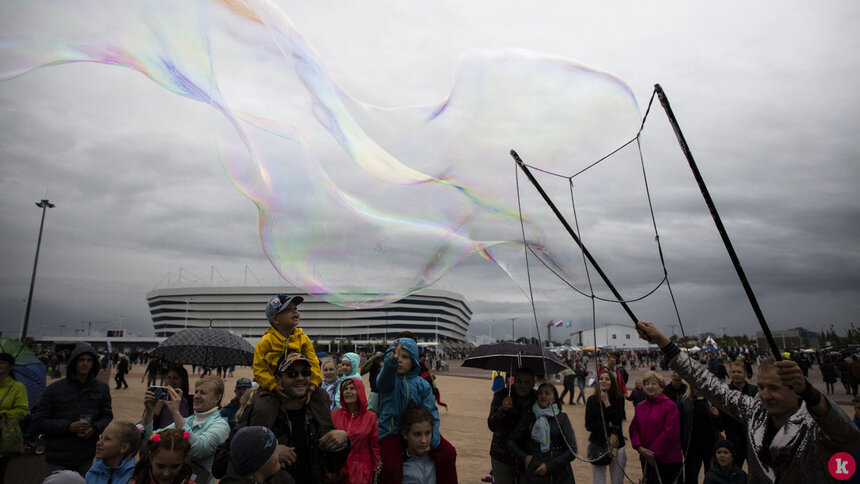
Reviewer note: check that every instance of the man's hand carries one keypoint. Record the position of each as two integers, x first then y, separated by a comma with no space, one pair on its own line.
791,375
651,334
541,470
507,404
528,460
86,435
79,427
333,440
286,455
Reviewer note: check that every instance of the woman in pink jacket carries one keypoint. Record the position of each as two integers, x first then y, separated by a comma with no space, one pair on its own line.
655,432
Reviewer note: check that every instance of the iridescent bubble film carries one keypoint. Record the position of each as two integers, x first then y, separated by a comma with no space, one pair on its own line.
358,204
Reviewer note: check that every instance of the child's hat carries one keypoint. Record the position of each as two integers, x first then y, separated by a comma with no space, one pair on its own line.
280,302
726,444
244,382
251,448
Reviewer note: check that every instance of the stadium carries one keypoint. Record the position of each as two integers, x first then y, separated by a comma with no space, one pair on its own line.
439,319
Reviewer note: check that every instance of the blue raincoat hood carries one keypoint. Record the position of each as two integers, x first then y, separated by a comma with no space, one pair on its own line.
411,346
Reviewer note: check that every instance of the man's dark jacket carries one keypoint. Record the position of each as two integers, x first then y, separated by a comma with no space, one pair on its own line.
261,414
502,423
64,402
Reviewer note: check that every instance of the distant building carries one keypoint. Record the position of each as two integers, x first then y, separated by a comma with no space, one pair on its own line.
616,336
433,316
790,339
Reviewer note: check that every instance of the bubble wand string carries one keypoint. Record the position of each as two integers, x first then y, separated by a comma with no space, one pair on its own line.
570,231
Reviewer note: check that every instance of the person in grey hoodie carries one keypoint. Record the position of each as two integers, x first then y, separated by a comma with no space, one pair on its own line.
73,412
792,429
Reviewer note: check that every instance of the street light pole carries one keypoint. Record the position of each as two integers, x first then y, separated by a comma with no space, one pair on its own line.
44,204
513,338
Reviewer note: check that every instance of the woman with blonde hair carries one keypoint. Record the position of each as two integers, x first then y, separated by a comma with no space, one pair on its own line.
604,417
206,427
655,432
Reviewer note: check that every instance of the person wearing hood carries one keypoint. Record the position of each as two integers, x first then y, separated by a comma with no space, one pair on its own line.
359,423
655,432
73,412
401,388
352,361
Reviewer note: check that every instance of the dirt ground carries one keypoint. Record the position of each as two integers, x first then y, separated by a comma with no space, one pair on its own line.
466,391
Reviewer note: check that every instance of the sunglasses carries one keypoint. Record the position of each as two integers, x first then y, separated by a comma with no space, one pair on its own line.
295,373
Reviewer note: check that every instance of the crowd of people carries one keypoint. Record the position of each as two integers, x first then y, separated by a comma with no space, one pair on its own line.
299,421
310,421
705,422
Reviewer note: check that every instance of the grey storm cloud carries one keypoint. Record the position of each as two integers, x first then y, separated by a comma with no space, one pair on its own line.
765,94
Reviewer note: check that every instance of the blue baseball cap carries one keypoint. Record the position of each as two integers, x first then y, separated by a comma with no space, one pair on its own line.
244,382
280,302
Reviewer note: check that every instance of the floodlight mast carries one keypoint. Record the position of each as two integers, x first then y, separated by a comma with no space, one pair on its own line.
44,204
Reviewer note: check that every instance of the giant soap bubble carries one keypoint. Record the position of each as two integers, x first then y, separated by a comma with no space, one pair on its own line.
358,204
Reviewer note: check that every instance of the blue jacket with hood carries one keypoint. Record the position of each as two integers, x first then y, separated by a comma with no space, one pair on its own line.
398,393
101,473
64,402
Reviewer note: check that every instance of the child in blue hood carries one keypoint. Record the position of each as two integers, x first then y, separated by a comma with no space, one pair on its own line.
401,388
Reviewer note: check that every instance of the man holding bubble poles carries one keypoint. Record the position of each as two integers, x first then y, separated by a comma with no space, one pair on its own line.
793,429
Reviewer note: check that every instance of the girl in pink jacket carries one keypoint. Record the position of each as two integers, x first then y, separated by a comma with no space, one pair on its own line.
655,432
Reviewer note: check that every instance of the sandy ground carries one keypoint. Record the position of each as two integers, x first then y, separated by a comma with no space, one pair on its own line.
465,390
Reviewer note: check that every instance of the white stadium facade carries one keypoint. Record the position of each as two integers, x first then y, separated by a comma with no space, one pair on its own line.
439,319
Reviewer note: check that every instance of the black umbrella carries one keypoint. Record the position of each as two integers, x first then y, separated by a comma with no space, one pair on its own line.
206,347
510,356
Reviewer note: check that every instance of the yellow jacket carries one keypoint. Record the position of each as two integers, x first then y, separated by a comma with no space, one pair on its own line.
273,346
15,405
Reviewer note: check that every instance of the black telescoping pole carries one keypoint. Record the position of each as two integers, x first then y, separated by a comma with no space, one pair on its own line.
574,236
718,222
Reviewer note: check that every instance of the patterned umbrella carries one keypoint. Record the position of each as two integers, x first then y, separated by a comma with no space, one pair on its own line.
206,347
29,370
510,356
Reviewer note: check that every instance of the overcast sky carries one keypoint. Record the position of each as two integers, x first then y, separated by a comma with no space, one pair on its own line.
765,93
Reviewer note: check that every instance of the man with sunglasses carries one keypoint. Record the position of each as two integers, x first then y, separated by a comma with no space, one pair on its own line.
308,451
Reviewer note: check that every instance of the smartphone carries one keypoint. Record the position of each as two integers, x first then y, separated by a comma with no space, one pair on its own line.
160,393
